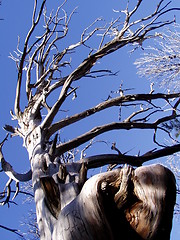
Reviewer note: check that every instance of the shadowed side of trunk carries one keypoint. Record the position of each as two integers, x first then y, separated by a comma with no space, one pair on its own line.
121,204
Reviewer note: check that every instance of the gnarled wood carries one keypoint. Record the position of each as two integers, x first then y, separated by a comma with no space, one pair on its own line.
124,203
121,204
151,215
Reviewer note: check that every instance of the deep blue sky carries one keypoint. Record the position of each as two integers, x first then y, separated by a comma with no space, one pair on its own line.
17,20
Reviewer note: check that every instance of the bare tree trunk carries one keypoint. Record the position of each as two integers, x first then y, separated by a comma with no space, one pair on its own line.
119,204
124,203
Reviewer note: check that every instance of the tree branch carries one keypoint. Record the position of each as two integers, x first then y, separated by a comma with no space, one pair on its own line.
11,230
162,60
118,42
21,64
99,130
105,159
107,104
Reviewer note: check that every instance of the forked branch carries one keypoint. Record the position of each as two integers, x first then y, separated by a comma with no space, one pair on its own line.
108,104
13,176
105,159
47,66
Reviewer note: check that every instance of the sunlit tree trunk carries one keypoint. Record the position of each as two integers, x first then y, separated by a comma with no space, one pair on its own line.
123,203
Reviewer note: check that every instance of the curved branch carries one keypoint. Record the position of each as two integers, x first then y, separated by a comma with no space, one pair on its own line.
105,159
109,127
8,169
17,177
20,71
107,104
11,230
7,189
99,130
118,42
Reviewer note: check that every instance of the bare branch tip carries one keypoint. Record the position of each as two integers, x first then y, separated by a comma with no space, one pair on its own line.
5,139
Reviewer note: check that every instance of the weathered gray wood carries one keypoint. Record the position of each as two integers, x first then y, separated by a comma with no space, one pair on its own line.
125,203
120,204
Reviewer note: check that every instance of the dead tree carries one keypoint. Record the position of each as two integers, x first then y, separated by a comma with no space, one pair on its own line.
122,203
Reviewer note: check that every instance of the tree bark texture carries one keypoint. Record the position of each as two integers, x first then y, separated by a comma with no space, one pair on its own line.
124,203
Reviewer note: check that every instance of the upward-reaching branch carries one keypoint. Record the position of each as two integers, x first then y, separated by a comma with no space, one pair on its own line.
59,183
121,40
17,109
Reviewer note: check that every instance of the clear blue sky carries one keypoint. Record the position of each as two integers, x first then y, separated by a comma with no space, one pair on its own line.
17,20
